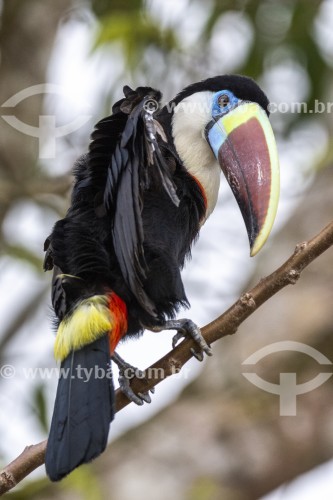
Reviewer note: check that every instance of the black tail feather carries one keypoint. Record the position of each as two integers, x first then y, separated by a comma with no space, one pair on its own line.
83,410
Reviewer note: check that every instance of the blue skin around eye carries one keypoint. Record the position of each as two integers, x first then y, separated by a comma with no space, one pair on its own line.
217,134
217,111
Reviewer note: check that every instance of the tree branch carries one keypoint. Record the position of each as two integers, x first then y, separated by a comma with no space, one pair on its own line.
31,457
226,324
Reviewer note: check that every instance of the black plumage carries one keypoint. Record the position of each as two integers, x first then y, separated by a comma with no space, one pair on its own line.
110,237
243,87
135,212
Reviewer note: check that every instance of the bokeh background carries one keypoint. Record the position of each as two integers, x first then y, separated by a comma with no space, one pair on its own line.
208,434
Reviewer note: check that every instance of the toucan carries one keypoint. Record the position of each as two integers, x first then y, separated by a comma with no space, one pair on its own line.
147,184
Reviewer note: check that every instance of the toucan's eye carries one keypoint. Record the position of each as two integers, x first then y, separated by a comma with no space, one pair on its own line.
223,100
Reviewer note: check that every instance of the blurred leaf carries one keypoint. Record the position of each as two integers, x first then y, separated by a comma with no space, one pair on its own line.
22,317
22,253
40,406
136,32
83,481
300,36
205,488
104,7
31,489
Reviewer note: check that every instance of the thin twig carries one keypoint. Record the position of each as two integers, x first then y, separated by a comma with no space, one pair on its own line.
226,324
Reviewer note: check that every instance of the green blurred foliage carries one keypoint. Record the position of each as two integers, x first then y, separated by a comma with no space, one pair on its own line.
282,31
20,252
289,26
39,404
82,483
136,32
108,7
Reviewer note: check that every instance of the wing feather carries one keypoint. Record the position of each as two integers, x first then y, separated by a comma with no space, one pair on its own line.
132,160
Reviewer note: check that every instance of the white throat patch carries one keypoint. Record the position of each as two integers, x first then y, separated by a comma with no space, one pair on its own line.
190,117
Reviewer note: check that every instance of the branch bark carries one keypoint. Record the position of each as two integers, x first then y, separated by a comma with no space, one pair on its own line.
226,324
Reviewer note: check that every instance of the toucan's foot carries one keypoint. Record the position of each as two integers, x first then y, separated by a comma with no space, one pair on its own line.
126,373
187,328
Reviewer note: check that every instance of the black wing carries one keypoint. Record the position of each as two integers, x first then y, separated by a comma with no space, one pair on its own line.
136,153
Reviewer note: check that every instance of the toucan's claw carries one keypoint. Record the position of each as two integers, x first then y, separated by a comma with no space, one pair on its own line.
145,397
186,328
126,373
198,355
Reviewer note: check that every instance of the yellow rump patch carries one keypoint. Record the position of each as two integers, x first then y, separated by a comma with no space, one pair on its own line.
90,320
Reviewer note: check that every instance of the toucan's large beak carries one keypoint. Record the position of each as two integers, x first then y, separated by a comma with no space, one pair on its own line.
243,142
